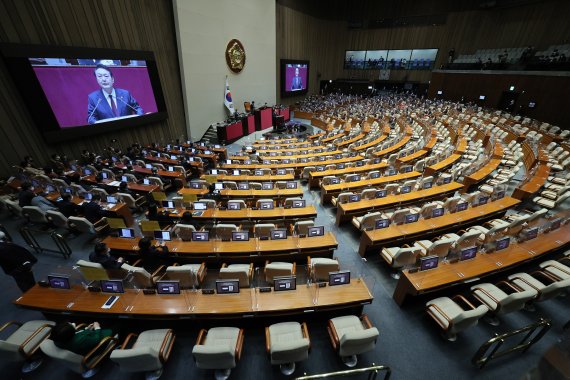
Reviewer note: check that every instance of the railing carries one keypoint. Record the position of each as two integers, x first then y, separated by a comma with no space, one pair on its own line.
371,371
493,344
62,246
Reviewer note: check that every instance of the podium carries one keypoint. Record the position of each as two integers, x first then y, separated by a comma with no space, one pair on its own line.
263,118
115,118
230,132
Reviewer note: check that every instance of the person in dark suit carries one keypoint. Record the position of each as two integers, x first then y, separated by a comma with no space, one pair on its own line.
17,261
152,256
26,195
67,207
109,102
93,211
101,255
296,83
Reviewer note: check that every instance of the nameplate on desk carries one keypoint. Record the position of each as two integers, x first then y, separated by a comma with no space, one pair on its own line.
207,291
322,284
265,289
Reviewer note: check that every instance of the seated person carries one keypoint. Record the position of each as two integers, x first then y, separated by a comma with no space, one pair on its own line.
165,181
152,256
93,211
67,207
102,256
162,218
80,341
186,218
26,195
42,203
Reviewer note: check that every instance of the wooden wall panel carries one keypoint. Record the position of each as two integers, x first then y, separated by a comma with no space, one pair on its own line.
125,24
540,24
551,93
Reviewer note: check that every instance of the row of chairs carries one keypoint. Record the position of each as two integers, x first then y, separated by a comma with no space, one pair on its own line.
457,313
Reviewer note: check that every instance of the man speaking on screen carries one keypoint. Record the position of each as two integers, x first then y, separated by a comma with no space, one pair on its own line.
296,83
109,102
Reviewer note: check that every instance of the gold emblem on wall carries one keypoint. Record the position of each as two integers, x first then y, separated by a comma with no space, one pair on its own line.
235,56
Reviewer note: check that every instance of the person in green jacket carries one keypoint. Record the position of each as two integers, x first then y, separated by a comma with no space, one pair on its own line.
81,341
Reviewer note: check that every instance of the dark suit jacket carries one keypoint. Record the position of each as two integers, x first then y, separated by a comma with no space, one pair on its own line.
108,262
13,257
93,211
153,257
296,83
98,107
25,198
68,208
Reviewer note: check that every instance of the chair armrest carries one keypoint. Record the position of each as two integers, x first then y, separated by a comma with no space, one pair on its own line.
267,340
239,344
436,319
127,341
365,321
464,300
487,294
166,346
294,270
265,267
5,325
93,358
161,268
507,284
546,275
101,222
333,335
224,265
305,331
250,271
137,263
201,337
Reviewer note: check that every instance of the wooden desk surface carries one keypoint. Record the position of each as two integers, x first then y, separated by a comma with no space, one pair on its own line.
355,169
133,186
338,187
250,214
293,165
537,180
398,233
190,304
161,173
299,156
482,265
252,250
253,178
397,146
168,161
187,190
486,169
275,193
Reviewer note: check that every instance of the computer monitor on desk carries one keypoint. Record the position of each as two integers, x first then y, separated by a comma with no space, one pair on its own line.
162,235
168,204
339,278
284,283
315,231
266,205
243,186
58,282
240,235
227,286
461,206
436,212
502,243
428,262
112,286
200,236
468,253
168,287
278,234
199,206
267,186
111,199
300,203
127,233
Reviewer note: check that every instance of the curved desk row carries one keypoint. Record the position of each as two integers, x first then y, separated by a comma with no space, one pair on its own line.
249,214
482,265
195,305
216,251
398,234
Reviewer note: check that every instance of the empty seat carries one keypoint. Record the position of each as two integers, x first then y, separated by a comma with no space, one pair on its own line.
241,272
23,343
452,317
320,267
287,343
498,301
189,275
183,231
219,349
263,230
400,257
277,269
366,222
224,231
351,336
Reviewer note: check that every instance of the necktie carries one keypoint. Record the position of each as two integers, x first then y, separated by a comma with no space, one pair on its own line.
113,106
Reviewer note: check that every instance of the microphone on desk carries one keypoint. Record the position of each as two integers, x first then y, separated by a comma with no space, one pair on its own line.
92,112
128,105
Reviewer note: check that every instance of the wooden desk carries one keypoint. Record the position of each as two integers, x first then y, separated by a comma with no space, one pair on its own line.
133,186
535,183
215,251
196,192
298,166
426,228
134,304
253,178
327,191
346,211
277,214
162,173
255,194
482,265
453,158
397,146
316,176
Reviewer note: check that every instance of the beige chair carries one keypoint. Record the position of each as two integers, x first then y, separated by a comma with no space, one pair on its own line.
366,222
92,271
545,287
278,269
289,201
302,227
557,269
183,231
34,214
398,216
287,343
438,247
210,203
189,275
139,277
56,218
351,336
148,353
400,257
224,231
83,225
23,343
320,267
241,272
102,192
452,317
158,182
257,204
263,230
342,198
13,207
88,365
231,185
219,349
467,239
498,301
131,202
369,193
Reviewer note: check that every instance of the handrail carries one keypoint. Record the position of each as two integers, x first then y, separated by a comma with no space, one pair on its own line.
373,372
497,341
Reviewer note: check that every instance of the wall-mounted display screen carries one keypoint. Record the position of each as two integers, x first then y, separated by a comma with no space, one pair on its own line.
405,59
294,77
77,92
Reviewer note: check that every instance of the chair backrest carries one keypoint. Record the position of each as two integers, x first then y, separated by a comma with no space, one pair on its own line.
184,231
210,203
140,277
238,201
186,274
302,227
263,229
369,220
515,301
467,318
321,267
440,248
128,200
214,356
277,269
368,193
157,181
69,359
224,231
468,239
406,256
289,201
358,341
34,214
236,273
344,197
399,216
56,218
81,224
102,192
232,185
92,271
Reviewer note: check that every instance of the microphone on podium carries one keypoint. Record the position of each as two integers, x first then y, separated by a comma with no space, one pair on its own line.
92,112
128,105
